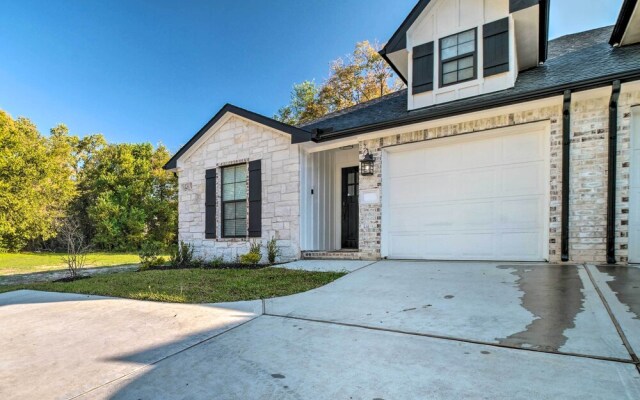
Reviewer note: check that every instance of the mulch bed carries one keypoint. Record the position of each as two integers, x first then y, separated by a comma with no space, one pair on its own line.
70,279
220,266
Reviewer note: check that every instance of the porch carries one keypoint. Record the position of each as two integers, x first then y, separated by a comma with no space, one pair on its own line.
329,204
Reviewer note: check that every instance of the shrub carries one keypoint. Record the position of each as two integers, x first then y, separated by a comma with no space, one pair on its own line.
182,255
150,254
253,256
215,263
250,258
197,262
273,251
77,246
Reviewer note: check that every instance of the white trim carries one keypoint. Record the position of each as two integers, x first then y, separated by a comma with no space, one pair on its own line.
542,127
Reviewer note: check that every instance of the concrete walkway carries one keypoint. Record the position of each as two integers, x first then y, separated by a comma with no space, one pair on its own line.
389,330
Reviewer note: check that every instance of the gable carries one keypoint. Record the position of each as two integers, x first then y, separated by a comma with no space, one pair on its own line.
627,28
297,135
525,13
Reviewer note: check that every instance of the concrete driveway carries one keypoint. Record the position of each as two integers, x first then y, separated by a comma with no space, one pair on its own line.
389,330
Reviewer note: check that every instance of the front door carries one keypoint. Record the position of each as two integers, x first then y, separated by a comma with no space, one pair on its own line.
350,208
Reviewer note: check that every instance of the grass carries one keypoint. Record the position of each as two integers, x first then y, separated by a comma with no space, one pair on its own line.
192,285
26,263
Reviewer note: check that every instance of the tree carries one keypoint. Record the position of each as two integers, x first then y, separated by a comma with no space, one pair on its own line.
304,106
361,76
129,198
35,182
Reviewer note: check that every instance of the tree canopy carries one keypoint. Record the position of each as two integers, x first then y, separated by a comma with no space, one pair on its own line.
359,77
119,193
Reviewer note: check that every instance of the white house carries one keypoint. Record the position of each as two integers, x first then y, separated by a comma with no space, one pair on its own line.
504,146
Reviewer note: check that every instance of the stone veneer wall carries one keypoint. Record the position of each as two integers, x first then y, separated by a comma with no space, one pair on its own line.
241,141
588,196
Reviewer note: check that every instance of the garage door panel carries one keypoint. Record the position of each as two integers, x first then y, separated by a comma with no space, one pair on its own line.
422,188
522,213
482,199
475,184
476,245
439,159
522,179
523,148
523,246
480,154
634,191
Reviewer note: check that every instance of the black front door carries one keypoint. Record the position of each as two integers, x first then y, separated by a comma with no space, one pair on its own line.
350,208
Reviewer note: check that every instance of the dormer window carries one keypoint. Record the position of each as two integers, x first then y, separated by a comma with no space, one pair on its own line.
458,58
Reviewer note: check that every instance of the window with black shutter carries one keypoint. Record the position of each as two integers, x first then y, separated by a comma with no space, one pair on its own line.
496,47
234,201
422,68
458,58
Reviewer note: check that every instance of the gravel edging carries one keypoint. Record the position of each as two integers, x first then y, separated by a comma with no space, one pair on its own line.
49,276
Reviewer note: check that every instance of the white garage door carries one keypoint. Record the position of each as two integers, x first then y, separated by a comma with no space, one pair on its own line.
478,197
634,191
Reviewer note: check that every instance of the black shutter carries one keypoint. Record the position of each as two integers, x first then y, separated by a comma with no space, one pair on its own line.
210,204
496,47
422,68
255,198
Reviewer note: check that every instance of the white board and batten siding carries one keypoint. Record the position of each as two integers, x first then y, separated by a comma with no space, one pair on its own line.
482,196
634,189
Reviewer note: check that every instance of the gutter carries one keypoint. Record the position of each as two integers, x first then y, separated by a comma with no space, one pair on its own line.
566,167
611,179
479,105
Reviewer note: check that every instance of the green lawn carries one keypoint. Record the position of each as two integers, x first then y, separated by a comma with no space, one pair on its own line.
25,263
193,285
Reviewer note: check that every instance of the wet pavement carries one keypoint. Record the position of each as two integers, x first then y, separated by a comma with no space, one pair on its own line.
536,307
620,288
389,330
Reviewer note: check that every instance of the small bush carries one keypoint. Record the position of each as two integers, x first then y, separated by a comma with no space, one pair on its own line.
273,251
150,254
216,263
250,258
182,255
253,256
254,247
197,263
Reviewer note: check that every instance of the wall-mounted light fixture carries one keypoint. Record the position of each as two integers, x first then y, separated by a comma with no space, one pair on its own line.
366,163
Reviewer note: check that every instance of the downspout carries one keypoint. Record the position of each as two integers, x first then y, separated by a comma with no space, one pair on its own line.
566,159
611,179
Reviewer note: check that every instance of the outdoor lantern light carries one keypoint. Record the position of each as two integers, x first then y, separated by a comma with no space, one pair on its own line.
366,163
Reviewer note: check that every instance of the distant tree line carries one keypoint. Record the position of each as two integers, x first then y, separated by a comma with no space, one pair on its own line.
354,79
118,193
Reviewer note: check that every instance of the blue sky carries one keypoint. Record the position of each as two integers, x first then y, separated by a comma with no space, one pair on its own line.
157,70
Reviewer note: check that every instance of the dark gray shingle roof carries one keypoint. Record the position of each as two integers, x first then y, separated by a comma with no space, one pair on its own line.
573,61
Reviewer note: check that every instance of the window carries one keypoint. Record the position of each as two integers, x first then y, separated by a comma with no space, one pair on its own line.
234,201
458,58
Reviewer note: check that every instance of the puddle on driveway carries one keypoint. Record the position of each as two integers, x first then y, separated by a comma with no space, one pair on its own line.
554,295
626,285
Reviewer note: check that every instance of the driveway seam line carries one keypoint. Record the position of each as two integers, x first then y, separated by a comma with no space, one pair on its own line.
165,358
455,339
613,318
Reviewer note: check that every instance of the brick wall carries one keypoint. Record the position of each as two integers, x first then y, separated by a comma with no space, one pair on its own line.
240,141
588,185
